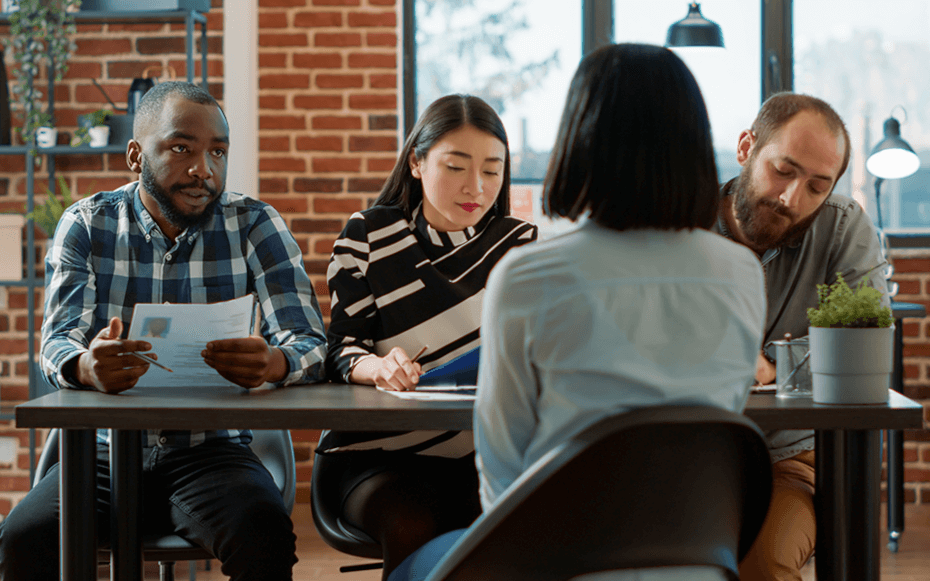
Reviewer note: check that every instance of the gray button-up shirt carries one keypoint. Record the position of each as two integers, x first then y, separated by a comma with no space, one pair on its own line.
841,239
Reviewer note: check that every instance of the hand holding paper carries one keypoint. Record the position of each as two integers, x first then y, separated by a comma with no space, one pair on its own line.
247,362
105,366
180,335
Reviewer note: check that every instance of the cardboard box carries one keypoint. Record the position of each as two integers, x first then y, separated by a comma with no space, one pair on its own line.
11,246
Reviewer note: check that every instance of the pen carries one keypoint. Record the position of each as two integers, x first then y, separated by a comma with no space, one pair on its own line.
420,352
149,359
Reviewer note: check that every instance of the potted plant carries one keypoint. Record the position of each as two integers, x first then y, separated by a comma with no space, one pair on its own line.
851,338
40,34
47,214
92,129
45,131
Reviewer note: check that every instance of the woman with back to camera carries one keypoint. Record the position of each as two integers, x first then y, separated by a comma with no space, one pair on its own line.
405,274
640,304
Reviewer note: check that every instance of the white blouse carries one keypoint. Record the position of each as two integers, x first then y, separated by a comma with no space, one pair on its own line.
594,322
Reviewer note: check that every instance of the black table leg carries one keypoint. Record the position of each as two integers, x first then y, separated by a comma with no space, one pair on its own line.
895,456
829,499
848,505
78,529
126,512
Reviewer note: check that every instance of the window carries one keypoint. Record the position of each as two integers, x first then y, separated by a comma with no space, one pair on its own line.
862,57
729,78
869,61
519,56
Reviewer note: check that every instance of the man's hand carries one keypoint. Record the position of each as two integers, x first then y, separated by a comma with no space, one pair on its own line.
765,371
106,367
394,371
247,362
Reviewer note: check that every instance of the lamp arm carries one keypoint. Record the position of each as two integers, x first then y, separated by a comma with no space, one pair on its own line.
878,200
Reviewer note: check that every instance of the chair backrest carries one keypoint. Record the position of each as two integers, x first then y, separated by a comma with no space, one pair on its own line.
654,487
326,508
273,447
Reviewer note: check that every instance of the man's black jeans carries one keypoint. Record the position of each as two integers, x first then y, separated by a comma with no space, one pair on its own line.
216,494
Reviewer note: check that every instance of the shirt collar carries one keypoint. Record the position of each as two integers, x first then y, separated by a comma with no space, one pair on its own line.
447,239
143,217
145,220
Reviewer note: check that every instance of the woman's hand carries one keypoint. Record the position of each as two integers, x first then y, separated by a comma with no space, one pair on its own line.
765,371
394,371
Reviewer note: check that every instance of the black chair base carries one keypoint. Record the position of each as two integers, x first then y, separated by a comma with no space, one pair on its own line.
361,567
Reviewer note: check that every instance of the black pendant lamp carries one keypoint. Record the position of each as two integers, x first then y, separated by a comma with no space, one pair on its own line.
694,30
892,158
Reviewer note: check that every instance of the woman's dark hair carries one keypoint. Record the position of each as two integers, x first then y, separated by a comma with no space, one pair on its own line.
634,145
442,116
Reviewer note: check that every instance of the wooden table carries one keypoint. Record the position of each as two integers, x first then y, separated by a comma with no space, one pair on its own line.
848,454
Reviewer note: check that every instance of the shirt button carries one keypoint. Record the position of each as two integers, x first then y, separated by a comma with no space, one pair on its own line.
168,257
163,440
190,240
148,238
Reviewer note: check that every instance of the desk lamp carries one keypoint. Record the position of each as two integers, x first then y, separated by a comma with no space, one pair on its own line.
893,158
694,30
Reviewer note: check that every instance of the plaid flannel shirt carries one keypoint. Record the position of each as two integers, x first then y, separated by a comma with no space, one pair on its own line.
108,255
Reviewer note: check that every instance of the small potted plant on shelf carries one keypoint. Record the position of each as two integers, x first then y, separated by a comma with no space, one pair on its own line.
40,34
45,131
851,338
92,129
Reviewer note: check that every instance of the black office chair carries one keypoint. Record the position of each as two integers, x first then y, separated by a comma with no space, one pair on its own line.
326,506
273,447
657,487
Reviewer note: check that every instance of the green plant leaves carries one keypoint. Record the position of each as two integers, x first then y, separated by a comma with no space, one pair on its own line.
40,33
47,215
840,306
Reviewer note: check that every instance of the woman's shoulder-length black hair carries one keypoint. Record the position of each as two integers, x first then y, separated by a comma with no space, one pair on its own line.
634,146
442,116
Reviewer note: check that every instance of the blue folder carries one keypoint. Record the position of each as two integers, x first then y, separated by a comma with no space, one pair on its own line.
463,370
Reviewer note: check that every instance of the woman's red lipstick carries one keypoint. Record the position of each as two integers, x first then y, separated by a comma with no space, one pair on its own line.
470,207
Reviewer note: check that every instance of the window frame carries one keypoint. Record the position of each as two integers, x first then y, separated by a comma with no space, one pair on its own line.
597,18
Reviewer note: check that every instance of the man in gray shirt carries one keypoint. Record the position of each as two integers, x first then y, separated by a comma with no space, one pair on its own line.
781,206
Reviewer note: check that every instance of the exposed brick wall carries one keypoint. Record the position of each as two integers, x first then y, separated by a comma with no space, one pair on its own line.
327,139
327,128
912,273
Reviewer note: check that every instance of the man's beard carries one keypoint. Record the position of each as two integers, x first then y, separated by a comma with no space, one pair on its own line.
749,208
172,214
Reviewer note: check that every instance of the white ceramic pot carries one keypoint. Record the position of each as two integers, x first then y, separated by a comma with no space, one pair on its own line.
99,135
46,136
851,366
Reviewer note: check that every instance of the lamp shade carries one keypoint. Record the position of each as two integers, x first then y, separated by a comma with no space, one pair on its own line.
893,157
694,30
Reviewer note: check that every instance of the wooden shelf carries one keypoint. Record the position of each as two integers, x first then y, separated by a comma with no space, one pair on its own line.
64,150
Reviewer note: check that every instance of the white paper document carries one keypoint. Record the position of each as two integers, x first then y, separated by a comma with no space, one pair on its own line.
768,388
437,393
180,332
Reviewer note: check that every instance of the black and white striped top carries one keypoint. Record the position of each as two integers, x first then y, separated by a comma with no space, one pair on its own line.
396,282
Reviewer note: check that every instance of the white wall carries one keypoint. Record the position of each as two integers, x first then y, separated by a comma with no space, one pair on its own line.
240,94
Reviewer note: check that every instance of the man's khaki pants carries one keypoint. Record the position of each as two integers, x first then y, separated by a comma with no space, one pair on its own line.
786,541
